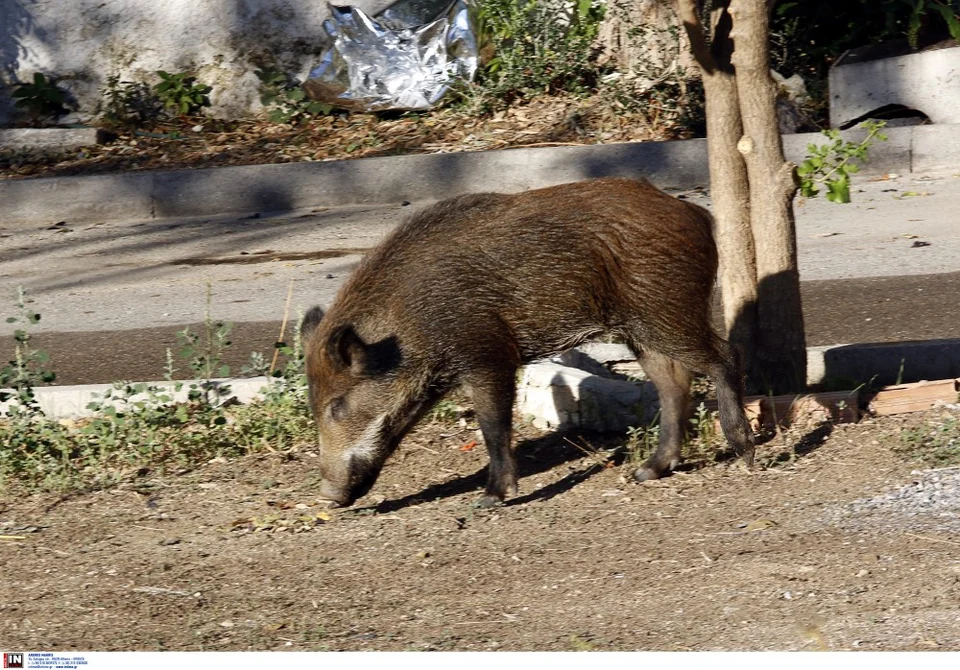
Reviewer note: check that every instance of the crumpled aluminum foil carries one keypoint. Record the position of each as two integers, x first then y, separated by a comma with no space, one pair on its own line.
405,58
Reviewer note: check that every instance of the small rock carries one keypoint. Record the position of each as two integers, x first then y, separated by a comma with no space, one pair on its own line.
169,542
197,129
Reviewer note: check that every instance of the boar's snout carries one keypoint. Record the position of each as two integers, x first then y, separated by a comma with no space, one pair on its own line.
361,479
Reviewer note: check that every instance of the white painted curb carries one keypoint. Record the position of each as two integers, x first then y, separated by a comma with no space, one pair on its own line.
552,390
70,402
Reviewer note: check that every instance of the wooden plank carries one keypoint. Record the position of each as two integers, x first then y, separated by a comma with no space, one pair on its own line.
914,397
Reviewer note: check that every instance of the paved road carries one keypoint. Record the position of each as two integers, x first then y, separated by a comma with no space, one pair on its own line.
886,267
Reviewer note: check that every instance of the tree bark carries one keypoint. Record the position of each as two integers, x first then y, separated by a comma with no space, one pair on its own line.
729,185
781,348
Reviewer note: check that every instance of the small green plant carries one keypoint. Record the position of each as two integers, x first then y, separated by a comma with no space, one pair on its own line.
203,353
41,98
180,94
539,46
934,441
128,104
285,101
137,428
704,425
28,368
949,11
832,164
642,441
445,411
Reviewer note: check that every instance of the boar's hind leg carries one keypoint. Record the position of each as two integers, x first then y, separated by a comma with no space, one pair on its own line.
672,380
717,359
493,394
727,375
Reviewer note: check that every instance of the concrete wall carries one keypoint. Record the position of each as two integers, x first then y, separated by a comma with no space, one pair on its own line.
928,81
223,41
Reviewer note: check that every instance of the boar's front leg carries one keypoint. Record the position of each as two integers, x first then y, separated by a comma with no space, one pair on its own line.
493,393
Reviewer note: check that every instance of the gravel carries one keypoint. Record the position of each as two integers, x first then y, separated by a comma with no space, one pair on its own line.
931,502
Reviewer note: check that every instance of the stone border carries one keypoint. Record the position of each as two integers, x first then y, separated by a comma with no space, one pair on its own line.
51,139
883,363
289,187
70,402
924,360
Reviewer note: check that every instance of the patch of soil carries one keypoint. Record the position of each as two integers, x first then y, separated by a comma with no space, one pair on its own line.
547,121
240,555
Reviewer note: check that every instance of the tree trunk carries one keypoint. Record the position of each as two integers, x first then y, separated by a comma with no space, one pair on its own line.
729,186
781,348
752,187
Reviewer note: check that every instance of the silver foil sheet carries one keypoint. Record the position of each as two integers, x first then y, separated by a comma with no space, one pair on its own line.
405,58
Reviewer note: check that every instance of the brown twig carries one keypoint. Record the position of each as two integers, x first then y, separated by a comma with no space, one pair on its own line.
283,329
932,539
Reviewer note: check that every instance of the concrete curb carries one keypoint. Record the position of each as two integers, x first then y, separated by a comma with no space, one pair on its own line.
51,139
70,402
879,364
387,180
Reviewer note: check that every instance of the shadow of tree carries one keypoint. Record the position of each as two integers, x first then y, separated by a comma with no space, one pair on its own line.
16,21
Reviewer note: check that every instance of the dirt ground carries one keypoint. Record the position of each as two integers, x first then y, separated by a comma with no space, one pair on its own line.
233,556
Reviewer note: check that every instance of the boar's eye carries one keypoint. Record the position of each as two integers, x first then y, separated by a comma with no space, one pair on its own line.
337,408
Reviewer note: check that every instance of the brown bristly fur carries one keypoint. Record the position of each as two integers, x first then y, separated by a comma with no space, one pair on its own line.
469,289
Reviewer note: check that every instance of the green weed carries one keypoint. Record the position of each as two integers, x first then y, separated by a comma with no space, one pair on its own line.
934,441
138,428
832,164
180,94
40,98
128,104
287,102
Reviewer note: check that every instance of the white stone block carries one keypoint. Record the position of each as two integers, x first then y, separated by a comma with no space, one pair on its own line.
50,139
557,396
928,81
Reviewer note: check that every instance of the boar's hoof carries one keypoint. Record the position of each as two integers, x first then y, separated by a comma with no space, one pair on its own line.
488,501
654,470
645,474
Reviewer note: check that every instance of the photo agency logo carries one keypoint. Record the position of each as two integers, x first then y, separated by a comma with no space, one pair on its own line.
13,659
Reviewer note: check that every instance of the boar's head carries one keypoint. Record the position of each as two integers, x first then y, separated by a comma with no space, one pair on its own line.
364,398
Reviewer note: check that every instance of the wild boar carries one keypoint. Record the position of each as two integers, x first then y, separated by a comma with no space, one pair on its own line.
466,291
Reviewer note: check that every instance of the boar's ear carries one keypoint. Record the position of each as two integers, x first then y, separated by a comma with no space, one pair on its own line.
310,322
368,360
347,350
